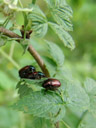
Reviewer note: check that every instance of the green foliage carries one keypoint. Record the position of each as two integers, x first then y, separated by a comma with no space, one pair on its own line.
2,42
56,53
25,86
23,89
88,121
55,3
63,35
41,104
50,64
41,122
73,104
90,87
61,13
39,21
51,104
74,95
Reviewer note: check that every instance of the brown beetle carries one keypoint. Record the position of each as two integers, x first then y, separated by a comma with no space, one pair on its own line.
51,84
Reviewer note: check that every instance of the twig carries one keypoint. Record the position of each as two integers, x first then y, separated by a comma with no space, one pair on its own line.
37,57
9,33
32,51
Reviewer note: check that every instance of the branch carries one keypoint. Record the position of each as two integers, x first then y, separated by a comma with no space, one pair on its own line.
9,33
31,50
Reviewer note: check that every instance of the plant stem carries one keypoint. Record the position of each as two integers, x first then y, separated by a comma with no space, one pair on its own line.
20,3
32,51
12,49
37,57
33,1
24,14
67,126
9,58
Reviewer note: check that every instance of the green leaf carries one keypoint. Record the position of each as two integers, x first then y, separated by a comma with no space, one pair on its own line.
2,42
76,96
63,72
62,16
53,3
26,86
63,35
23,89
90,87
56,53
88,121
39,21
41,122
42,104
71,119
51,65
61,13
25,44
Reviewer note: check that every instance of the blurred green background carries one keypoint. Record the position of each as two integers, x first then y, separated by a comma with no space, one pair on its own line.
81,61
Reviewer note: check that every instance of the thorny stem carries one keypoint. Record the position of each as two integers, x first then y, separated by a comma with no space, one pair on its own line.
31,50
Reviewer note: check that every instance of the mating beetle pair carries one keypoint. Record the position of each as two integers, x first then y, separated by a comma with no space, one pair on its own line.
29,72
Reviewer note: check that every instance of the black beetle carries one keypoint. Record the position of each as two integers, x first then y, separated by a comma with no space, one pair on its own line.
23,72
51,84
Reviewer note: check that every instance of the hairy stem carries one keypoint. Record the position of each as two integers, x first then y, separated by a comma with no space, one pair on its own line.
32,51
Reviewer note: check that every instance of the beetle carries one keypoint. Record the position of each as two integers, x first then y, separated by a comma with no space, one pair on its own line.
23,72
35,75
41,75
51,84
